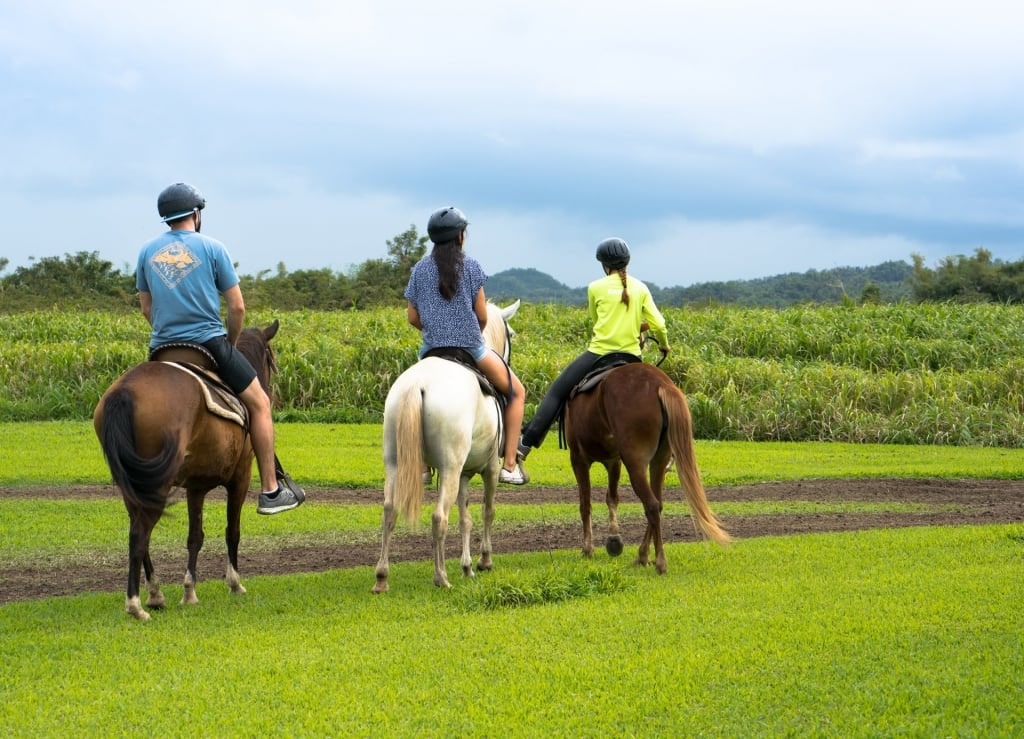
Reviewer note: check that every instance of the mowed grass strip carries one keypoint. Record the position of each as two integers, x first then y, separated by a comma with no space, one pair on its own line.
349,456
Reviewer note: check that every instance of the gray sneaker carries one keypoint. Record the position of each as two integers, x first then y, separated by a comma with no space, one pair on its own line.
278,501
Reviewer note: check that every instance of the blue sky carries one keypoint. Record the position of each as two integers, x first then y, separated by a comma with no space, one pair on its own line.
723,140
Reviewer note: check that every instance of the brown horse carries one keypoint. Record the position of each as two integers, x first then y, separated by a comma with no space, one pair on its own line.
636,416
156,432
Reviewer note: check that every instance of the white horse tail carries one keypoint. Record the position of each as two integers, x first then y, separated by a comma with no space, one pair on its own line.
409,454
680,437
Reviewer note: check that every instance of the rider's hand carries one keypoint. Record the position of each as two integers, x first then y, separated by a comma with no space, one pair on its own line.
664,351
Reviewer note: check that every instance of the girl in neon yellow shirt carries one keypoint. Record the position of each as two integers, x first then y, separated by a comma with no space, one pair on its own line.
621,308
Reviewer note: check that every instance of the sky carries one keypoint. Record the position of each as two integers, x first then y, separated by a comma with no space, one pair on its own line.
722,140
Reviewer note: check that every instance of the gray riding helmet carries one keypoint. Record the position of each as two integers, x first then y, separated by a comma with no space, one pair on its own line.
446,224
178,200
613,253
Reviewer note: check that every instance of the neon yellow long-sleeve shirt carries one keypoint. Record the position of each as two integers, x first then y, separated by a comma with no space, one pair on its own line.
616,325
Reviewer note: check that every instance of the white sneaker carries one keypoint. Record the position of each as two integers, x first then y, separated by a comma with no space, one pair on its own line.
516,476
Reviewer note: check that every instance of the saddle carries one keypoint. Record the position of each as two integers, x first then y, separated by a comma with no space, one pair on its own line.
462,357
591,380
196,360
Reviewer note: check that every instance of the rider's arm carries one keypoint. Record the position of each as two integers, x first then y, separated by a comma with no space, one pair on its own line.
236,312
146,305
413,315
480,308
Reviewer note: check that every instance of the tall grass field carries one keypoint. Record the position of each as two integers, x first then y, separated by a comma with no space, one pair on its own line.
895,374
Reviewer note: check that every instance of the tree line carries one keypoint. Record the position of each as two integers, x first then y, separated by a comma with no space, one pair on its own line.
86,281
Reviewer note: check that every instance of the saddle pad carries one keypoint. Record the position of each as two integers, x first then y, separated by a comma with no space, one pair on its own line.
220,401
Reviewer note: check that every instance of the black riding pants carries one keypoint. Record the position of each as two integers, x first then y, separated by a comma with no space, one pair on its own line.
535,431
232,366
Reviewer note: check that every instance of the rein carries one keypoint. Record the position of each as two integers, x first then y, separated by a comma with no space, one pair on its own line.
643,343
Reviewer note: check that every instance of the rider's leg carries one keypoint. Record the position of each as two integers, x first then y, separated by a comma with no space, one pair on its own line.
261,430
501,376
535,431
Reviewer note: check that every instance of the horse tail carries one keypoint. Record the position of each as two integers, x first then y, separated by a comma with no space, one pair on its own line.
680,437
141,479
409,454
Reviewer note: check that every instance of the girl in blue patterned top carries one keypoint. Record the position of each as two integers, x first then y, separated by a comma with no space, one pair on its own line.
446,302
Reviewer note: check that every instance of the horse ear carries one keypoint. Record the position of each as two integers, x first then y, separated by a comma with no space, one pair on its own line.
271,331
510,311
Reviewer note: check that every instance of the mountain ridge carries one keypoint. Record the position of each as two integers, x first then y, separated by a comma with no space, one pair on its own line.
884,282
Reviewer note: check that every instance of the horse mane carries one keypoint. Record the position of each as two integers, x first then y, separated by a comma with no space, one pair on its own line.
254,345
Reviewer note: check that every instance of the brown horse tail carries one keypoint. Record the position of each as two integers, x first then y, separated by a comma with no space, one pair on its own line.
409,453
141,479
680,437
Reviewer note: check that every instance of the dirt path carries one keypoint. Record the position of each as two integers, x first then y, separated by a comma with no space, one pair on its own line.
950,503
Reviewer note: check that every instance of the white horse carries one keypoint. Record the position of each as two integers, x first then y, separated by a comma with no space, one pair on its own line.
436,414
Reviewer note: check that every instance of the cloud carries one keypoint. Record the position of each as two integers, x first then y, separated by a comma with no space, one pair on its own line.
720,138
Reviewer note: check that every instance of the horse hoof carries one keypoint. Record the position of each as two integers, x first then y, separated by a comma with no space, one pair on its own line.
133,607
380,587
613,545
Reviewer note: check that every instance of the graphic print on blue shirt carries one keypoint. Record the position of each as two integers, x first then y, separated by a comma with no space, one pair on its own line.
174,262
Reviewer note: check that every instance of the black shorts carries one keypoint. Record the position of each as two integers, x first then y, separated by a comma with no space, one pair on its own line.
232,366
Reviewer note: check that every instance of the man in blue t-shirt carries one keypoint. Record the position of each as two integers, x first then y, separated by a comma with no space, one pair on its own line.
181,276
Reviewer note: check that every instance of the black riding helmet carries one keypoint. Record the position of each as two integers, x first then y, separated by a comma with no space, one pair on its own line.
178,200
446,224
613,253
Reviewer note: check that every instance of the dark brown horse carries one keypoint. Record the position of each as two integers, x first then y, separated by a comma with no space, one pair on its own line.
636,416
156,433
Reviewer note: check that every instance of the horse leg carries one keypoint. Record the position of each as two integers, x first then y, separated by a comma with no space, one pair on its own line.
448,483
581,470
613,544
387,525
156,599
237,493
195,543
652,510
140,527
465,526
490,477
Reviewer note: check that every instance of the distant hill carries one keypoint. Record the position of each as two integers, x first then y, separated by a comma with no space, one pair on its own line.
889,281
532,286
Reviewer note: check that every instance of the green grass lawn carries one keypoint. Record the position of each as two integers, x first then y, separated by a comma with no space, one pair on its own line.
909,632
912,632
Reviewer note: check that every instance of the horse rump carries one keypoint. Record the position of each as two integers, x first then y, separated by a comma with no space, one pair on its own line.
142,480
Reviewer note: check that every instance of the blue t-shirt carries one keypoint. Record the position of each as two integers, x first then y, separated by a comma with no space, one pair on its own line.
447,322
185,273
